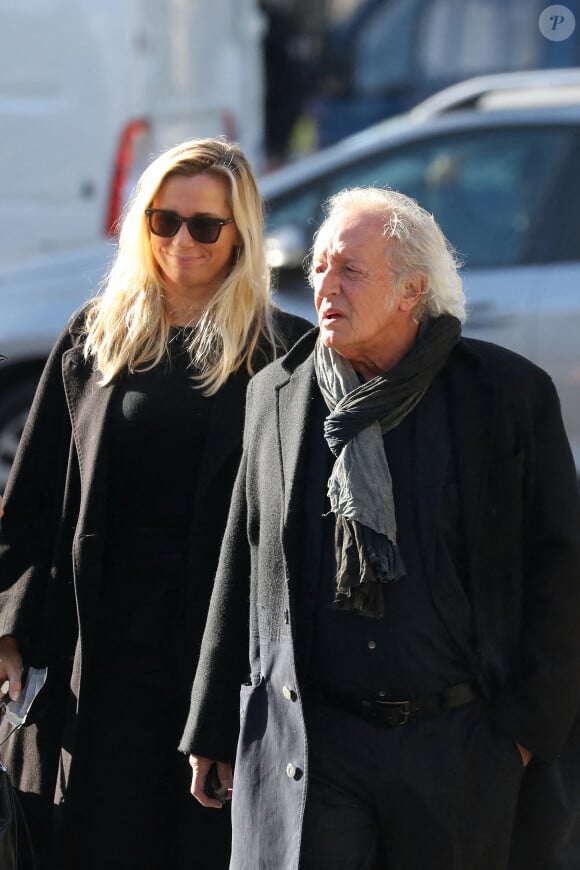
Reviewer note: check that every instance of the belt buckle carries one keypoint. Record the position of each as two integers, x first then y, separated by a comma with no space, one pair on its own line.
404,709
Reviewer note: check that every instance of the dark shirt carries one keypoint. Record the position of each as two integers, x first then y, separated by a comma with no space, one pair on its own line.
157,430
158,426
410,651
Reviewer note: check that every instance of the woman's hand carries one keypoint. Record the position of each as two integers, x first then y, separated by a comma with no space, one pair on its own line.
11,665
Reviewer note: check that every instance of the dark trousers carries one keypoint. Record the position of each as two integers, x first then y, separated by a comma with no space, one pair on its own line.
439,792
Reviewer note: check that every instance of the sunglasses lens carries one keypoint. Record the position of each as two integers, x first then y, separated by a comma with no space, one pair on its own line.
204,229
164,223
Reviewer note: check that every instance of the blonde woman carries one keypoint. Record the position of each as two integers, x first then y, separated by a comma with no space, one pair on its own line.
115,510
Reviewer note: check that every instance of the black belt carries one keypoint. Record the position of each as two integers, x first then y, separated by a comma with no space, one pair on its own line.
399,712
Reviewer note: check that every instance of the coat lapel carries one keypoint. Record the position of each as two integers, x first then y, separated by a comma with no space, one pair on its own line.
88,405
296,396
299,392
473,408
224,434
431,457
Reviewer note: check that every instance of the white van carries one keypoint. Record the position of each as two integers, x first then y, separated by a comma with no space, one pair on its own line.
90,90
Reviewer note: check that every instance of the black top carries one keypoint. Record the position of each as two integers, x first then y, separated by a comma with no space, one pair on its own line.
158,425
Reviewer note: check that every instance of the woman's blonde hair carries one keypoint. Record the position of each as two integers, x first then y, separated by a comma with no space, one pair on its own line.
127,326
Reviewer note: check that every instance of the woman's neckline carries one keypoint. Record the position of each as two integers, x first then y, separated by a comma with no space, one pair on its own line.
175,330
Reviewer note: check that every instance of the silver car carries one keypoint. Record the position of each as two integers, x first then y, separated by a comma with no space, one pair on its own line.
497,161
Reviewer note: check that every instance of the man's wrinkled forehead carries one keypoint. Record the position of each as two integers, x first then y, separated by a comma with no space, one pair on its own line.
322,238
347,230
337,232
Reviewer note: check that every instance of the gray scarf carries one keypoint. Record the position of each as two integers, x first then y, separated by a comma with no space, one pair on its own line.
360,487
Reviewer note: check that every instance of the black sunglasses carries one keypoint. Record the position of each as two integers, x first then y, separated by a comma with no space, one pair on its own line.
201,229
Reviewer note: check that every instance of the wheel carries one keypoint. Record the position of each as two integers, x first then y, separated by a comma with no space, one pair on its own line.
15,403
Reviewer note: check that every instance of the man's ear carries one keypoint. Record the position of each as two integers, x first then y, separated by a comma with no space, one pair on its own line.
414,289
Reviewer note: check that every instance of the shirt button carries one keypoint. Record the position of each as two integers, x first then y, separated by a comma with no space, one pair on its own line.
371,644
382,693
290,771
287,693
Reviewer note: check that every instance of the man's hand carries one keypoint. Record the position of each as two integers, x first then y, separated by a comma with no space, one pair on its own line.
11,665
200,767
525,753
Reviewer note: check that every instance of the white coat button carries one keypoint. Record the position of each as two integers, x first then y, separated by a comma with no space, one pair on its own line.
287,693
372,644
290,771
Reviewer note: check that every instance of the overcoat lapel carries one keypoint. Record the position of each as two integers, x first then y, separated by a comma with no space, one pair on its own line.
297,394
473,404
473,409
433,455
88,405
431,458
224,434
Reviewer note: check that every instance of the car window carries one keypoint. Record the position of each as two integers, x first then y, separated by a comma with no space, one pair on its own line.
301,208
492,191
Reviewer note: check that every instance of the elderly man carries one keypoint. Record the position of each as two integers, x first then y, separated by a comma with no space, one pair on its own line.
398,593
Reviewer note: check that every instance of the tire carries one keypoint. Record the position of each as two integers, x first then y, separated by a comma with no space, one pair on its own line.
15,403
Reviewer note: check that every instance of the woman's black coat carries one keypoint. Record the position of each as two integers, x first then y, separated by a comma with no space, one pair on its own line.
52,539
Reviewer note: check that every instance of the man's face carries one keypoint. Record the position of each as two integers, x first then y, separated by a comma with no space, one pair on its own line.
354,289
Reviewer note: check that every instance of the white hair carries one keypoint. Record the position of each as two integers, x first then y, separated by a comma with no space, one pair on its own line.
416,244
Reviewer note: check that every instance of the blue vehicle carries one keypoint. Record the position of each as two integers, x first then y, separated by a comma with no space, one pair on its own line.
391,54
